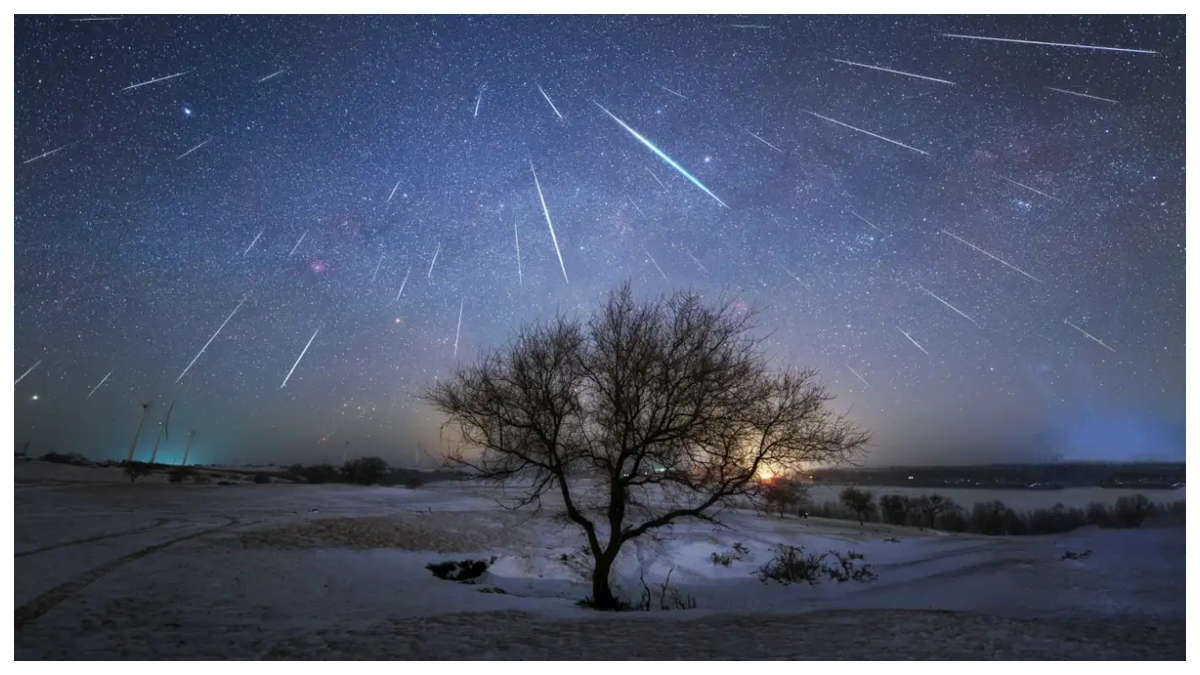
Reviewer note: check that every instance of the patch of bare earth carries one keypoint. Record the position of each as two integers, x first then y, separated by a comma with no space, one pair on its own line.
834,635
454,532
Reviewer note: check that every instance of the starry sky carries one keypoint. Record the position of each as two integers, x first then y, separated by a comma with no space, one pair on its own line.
980,248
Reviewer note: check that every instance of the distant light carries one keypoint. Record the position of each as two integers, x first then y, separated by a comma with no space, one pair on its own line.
910,477
35,397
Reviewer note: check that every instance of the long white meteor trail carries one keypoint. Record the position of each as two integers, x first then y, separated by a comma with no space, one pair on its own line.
289,375
376,272
433,262
553,237
98,385
864,131
517,237
389,199
157,79
274,74
214,337
672,91
999,260
910,339
747,25
260,233
935,297
302,236
477,100
403,283
1076,93
663,156
1048,196
48,153
97,18
864,380
193,150
896,72
1098,340
658,180
639,209
547,97
1050,44
764,142
701,265
869,223
458,330
655,262
39,362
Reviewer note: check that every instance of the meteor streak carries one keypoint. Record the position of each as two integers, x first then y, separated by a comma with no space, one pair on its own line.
477,100
918,345
260,233
274,74
403,283
1076,93
98,385
48,153
546,211
869,223
157,79
662,155
657,180
701,265
547,97
897,72
214,337
458,331
935,297
747,25
192,150
302,236
389,199
302,353
864,380
1050,44
864,131
39,362
376,272
517,237
760,138
655,262
639,209
98,18
1048,196
1002,262
672,91
1098,341
433,262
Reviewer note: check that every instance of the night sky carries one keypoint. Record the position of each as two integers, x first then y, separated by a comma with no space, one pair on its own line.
304,170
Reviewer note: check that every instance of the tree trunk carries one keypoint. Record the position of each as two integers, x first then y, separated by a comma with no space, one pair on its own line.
602,595
860,519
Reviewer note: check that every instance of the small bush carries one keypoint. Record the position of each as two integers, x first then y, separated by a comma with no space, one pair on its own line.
413,482
317,473
1072,555
364,471
178,474
459,570
135,470
726,558
59,458
790,565
849,569
262,478
1131,510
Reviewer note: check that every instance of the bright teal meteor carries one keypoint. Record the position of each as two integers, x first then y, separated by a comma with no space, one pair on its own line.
663,156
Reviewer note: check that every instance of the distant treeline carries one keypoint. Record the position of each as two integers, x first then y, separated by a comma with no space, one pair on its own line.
1014,476
994,517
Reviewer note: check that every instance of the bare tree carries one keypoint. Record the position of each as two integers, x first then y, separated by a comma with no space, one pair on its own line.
934,505
861,502
648,413
786,494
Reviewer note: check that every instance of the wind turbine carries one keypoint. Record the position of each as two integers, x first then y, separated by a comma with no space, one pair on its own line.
162,428
138,432
191,437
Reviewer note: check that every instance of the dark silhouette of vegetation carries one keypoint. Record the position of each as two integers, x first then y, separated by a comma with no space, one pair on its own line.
861,502
459,570
317,473
784,495
262,478
790,564
135,470
647,413
996,518
364,471
178,474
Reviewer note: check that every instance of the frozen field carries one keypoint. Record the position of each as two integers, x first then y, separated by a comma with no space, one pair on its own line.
105,569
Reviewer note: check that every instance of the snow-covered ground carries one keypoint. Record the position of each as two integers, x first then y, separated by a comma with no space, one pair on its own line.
105,569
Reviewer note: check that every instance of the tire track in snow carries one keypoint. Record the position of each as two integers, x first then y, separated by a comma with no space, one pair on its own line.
36,608
100,537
